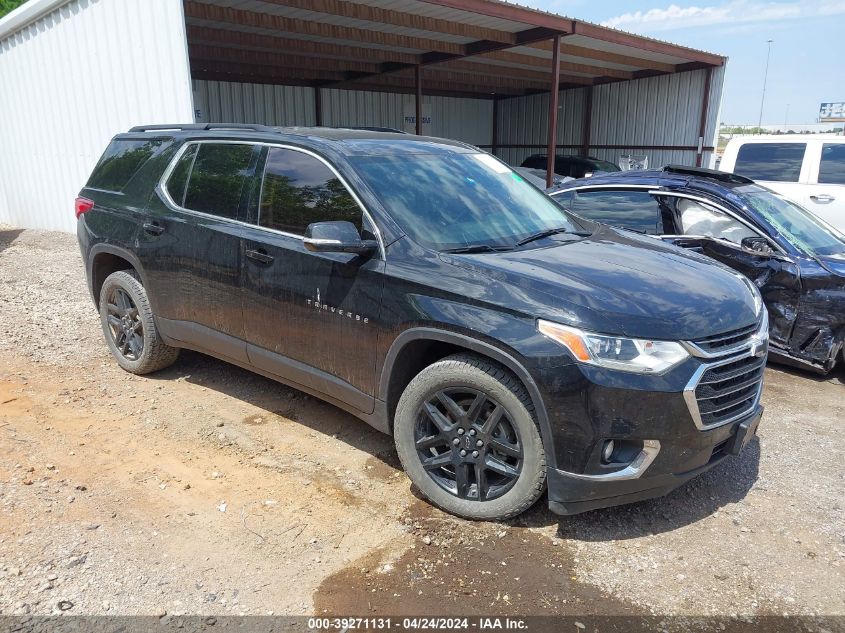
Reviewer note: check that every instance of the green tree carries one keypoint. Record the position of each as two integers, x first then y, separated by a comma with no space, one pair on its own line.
6,6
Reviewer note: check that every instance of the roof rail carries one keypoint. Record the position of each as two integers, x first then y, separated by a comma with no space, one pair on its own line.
203,126
703,172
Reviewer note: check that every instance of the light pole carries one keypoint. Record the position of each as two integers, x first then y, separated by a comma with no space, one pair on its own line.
765,77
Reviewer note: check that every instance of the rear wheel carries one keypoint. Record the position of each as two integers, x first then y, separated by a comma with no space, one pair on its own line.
466,435
129,327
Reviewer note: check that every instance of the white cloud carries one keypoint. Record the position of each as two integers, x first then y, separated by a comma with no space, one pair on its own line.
733,12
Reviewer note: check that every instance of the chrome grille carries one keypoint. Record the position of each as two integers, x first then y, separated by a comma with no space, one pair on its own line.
729,390
719,343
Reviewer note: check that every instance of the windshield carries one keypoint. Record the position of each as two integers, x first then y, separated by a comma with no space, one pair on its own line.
797,225
446,201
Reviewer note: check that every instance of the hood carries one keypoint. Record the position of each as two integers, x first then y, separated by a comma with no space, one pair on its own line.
834,263
619,283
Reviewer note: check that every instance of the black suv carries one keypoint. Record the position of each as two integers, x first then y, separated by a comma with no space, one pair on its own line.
572,166
795,259
426,288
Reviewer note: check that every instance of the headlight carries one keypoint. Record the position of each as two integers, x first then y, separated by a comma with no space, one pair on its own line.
615,352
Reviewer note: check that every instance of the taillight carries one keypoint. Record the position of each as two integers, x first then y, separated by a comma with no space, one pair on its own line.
83,205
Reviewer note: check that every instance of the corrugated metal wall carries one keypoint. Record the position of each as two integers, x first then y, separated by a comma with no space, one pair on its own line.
469,120
663,110
230,102
525,121
68,83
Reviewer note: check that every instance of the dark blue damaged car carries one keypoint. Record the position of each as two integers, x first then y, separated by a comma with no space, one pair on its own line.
795,259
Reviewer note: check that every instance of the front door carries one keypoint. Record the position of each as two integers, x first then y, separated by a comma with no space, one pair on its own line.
310,318
717,234
190,246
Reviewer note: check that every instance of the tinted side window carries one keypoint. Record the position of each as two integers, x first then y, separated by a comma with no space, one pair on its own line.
217,179
299,189
779,162
630,209
175,184
832,167
120,162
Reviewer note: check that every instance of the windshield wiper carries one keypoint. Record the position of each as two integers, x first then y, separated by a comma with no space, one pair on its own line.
477,248
549,232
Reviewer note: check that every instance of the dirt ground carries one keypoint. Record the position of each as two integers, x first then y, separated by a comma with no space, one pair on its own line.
205,489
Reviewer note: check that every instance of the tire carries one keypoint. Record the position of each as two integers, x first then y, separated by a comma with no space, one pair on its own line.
496,414
143,351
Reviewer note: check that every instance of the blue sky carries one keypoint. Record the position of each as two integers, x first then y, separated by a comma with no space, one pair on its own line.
808,53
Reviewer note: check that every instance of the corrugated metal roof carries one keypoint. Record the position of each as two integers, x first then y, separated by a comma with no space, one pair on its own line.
589,51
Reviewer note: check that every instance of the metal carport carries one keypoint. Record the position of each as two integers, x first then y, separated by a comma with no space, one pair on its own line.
75,72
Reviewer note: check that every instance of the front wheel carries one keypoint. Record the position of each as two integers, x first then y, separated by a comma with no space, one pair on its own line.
129,327
466,435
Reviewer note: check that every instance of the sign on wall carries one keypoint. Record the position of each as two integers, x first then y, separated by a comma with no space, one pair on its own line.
409,119
832,112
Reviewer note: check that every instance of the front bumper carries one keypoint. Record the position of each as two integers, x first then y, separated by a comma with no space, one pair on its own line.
671,427
572,494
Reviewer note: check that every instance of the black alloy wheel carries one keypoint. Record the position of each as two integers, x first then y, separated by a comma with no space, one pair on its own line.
468,444
125,325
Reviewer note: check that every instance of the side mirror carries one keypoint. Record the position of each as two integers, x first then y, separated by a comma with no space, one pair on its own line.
337,237
758,244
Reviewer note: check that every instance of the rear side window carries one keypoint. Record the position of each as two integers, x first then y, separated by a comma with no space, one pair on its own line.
635,210
175,184
779,162
121,161
217,178
299,189
832,167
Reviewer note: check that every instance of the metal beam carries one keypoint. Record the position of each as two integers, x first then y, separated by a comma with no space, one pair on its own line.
586,133
241,40
621,38
495,136
418,100
512,12
225,18
605,56
359,11
553,102
543,62
702,127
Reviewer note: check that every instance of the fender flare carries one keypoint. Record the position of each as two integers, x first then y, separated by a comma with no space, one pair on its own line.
111,249
480,347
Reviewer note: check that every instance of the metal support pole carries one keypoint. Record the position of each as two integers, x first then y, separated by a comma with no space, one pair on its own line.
318,106
495,125
588,122
553,101
418,81
765,77
702,127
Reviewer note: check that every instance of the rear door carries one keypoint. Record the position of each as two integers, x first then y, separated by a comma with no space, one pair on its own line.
628,208
825,196
310,317
190,245
718,233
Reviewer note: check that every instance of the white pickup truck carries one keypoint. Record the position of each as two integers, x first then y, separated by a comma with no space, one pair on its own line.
808,169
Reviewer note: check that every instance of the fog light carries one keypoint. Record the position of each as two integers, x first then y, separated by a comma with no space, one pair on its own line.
607,451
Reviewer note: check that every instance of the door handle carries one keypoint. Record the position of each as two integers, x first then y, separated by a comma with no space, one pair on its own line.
153,228
261,256
822,197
